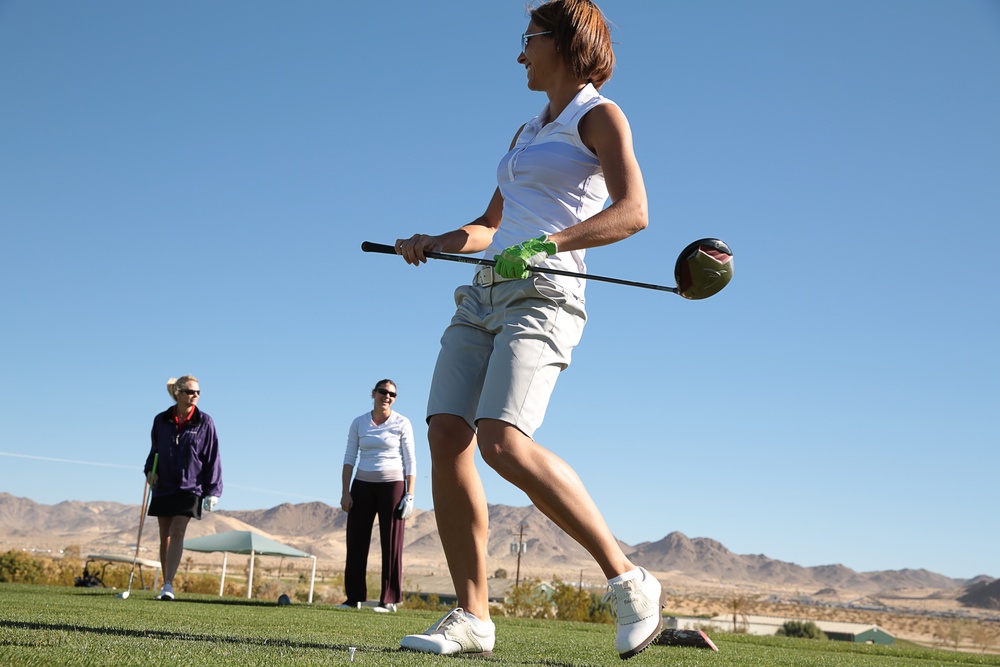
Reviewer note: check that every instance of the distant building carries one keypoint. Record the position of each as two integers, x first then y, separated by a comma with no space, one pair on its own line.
859,633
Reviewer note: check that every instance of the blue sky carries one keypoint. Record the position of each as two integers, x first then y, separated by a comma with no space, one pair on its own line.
184,187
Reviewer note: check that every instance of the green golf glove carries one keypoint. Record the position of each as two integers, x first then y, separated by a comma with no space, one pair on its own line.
514,263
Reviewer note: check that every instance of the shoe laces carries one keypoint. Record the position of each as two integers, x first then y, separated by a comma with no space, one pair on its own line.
628,604
453,617
613,589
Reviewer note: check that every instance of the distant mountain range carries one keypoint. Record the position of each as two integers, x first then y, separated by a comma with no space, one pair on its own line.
319,529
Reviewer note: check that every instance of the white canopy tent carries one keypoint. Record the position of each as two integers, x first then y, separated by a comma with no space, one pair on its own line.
251,543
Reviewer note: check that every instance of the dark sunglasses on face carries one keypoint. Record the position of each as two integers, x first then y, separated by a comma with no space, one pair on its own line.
192,392
386,392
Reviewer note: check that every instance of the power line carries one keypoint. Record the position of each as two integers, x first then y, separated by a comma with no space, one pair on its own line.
52,459
85,463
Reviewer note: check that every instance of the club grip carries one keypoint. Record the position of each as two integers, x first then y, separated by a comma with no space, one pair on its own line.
368,246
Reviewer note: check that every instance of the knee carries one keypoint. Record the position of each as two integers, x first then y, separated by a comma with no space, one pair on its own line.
493,456
497,448
448,436
177,530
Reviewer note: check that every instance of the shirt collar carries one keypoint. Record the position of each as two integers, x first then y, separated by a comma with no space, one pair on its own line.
189,417
586,94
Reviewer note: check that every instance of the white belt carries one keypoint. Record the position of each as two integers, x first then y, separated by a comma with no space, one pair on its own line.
486,277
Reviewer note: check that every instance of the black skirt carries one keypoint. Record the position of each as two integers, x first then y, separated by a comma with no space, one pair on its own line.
177,504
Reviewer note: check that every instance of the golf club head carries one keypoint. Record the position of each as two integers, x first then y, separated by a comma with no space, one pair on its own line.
123,595
703,269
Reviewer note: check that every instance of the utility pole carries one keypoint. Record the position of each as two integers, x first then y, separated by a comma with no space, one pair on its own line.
520,547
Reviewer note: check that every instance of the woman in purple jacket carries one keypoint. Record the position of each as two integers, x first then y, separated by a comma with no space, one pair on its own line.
188,477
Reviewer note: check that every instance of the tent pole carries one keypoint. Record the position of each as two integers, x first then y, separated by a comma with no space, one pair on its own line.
250,580
312,581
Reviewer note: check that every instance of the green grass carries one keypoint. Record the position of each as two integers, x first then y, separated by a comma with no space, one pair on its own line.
43,625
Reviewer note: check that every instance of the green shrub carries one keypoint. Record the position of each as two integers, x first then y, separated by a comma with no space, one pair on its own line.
420,600
601,610
18,567
803,629
528,600
572,604
207,584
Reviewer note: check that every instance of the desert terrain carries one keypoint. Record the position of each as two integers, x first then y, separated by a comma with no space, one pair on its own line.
700,576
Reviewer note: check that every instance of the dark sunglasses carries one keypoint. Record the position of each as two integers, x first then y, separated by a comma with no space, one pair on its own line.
192,392
386,392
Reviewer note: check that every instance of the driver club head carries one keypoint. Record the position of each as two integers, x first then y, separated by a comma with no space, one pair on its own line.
703,268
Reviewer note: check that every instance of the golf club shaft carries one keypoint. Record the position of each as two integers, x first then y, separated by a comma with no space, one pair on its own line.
368,246
142,519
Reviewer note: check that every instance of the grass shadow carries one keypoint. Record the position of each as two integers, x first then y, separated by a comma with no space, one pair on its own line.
184,636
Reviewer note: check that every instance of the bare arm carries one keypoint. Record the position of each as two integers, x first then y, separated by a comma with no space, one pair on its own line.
605,131
470,238
467,239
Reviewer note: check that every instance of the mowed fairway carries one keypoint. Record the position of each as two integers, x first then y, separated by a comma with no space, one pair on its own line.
42,625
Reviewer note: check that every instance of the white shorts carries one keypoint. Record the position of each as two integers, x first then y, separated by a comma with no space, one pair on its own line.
503,351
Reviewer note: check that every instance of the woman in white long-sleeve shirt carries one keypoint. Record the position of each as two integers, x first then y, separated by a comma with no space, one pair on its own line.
380,448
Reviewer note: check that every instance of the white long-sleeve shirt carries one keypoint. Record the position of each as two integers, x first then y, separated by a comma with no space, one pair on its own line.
381,452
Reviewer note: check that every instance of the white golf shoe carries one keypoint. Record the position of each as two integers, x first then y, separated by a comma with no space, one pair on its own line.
639,618
454,633
166,593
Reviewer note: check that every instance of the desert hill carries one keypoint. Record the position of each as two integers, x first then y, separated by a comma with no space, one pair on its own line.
319,529
982,593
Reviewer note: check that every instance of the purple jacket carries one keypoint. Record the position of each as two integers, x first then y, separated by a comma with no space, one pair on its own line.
189,459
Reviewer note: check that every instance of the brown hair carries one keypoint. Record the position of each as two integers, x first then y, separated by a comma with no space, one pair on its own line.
582,37
382,383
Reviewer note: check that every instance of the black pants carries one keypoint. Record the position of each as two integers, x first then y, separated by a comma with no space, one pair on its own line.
373,499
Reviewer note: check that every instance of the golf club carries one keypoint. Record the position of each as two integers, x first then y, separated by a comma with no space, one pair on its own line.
702,269
142,519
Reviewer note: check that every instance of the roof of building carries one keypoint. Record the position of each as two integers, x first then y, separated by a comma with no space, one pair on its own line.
778,621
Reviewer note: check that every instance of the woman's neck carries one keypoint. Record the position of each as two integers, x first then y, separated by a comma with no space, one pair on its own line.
379,416
560,97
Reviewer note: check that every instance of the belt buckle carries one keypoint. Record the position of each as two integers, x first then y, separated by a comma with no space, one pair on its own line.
485,277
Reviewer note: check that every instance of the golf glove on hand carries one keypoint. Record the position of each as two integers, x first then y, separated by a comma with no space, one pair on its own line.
208,503
515,261
405,508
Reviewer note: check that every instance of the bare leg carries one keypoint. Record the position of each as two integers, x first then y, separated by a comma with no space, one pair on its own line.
164,525
555,489
172,529
461,510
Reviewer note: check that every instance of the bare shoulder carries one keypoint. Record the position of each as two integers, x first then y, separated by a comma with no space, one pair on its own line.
603,124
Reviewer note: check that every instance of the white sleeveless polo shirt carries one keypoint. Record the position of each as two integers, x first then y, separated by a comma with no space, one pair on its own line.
550,181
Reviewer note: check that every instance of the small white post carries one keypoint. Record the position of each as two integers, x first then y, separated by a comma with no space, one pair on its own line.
222,582
250,580
312,581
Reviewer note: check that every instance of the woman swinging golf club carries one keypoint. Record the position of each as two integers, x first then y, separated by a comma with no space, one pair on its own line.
188,476
514,330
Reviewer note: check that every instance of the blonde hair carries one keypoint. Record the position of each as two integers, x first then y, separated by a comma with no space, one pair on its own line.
172,384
